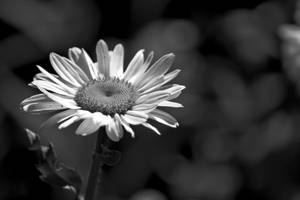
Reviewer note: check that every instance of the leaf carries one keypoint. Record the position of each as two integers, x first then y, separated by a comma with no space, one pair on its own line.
52,170
33,138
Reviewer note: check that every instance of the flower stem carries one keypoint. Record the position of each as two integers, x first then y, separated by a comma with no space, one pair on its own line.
96,167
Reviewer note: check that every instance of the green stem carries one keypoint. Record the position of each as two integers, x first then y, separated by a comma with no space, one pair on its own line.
96,167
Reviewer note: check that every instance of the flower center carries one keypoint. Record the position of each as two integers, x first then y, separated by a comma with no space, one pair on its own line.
108,96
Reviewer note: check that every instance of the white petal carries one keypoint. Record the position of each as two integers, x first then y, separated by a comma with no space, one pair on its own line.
170,76
74,54
153,98
164,118
81,114
92,124
135,117
40,103
156,84
116,61
42,77
139,72
146,108
139,76
65,71
125,125
93,68
174,95
35,98
84,114
149,59
56,80
172,89
75,70
69,103
159,68
170,104
103,58
114,130
135,65
88,126
68,122
57,117
80,58
60,69
152,128
42,107
53,87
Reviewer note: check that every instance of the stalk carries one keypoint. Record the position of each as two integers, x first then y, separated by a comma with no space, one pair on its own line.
95,173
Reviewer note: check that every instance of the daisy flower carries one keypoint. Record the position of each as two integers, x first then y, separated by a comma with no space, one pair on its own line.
103,94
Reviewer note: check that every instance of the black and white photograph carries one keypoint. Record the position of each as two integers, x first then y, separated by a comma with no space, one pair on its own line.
149,100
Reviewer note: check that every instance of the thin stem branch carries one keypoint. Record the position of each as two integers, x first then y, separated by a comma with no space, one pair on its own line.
96,167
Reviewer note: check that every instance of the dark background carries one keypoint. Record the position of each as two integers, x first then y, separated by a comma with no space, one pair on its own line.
239,130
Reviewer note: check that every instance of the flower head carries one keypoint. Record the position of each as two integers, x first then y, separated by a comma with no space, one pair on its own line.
103,94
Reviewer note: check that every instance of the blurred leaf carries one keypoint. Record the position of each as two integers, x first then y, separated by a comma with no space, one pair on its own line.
52,25
248,38
268,92
272,135
290,52
232,95
53,171
204,181
33,138
148,194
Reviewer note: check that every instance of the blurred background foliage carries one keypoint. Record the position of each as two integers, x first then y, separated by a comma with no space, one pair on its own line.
238,136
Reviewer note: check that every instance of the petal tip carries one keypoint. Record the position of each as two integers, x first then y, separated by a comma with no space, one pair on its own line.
79,133
101,42
170,56
141,52
119,46
23,108
53,55
75,49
